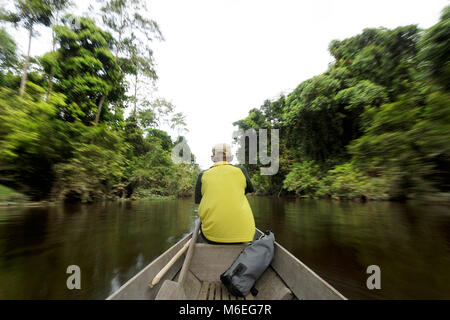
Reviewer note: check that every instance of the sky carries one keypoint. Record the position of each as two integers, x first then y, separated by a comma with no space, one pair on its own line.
221,58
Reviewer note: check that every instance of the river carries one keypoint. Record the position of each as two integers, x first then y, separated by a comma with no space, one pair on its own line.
112,241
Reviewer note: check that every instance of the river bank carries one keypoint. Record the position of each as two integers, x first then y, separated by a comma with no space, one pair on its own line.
12,198
438,199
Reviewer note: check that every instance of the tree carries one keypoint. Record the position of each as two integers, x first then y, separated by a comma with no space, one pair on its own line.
28,14
8,54
65,137
408,142
86,70
57,8
8,51
123,16
95,170
434,52
132,32
304,178
31,141
373,121
141,70
382,56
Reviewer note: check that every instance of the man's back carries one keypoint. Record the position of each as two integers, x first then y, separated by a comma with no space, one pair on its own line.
224,210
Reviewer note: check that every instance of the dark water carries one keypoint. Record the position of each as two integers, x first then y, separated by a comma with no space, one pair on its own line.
111,242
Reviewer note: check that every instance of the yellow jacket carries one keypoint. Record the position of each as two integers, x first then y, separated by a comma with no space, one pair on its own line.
224,210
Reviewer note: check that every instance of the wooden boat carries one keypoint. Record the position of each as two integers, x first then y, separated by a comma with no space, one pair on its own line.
286,278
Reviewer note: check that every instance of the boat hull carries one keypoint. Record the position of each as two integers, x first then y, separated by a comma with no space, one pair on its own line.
286,278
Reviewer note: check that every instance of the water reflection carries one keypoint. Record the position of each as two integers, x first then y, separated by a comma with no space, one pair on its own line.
115,282
339,240
111,242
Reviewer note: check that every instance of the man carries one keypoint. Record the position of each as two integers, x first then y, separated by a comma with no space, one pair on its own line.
224,210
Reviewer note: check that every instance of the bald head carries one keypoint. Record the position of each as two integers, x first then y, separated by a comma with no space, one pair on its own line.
222,152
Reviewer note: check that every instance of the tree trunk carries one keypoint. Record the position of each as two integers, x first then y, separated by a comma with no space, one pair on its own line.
25,66
119,44
100,105
52,69
50,83
135,93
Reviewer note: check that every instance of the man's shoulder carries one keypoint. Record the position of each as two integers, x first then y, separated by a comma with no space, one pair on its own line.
205,172
200,174
240,167
228,168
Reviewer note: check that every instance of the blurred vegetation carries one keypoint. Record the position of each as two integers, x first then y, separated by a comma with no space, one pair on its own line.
9,195
63,134
375,125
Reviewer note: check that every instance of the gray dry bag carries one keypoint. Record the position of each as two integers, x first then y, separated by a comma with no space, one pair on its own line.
240,278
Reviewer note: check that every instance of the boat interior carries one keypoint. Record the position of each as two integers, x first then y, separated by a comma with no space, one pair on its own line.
210,261
286,278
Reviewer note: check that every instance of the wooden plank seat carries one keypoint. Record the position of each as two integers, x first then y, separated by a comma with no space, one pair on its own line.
215,290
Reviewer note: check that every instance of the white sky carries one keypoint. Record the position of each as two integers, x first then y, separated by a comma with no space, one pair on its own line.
223,57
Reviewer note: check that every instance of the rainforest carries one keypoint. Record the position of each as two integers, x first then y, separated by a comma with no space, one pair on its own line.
373,126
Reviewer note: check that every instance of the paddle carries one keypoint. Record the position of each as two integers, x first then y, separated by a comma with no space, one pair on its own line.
166,268
171,290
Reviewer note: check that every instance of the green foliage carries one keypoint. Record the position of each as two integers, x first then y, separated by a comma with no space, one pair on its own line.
155,173
409,143
186,177
304,178
323,113
434,51
30,12
30,141
132,48
96,168
134,135
85,71
25,121
162,136
385,57
346,182
9,195
254,120
65,137
264,185
8,52
373,126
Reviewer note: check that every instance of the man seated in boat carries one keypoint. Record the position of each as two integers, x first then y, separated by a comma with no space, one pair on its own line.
224,210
